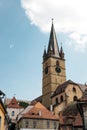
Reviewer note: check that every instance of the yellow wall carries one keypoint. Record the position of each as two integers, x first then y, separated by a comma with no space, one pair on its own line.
2,115
70,93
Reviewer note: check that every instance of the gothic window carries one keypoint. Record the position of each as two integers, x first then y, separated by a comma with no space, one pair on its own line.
61,98
74,89
75,98
13,113
56,100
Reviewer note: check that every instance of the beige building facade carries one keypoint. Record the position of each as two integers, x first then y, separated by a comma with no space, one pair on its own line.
37,116
13,110
65,94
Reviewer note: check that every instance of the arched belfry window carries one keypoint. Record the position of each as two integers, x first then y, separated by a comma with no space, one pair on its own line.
46,68
57,63
46,64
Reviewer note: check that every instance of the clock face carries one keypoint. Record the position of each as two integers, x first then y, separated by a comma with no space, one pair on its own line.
57,69
46,70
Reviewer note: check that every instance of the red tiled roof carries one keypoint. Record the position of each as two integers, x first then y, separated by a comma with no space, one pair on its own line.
78,121
13,103
71,116
39,111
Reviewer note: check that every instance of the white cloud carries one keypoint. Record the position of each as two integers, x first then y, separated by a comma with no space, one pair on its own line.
69,17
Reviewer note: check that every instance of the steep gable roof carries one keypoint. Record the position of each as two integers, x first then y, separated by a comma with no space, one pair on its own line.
61,88
13,103
39,111
84,97
82,87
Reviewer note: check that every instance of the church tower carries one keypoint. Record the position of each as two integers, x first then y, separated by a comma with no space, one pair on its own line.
54,72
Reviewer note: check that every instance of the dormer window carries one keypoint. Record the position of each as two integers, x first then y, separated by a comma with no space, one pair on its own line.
33,113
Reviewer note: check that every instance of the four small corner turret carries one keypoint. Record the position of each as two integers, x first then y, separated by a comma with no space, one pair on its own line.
61,53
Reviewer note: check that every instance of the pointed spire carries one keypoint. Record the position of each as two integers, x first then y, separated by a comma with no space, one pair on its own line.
61,52
53,45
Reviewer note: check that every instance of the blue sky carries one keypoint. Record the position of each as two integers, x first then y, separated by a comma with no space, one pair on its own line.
24,31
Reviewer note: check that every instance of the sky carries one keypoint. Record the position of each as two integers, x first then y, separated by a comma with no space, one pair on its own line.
24,31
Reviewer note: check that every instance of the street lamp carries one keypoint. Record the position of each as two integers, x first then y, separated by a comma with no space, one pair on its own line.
82,107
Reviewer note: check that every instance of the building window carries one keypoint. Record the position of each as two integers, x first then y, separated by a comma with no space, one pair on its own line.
13,113
48,124
57,63
56,100
26,124
55,125
61,98
74,89
75,98
34,124
13,103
